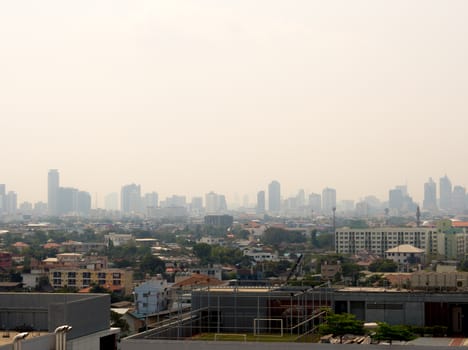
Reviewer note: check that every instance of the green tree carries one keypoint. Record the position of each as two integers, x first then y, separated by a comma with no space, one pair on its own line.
390,333
203,252
275,236
152,265
383,265
341,324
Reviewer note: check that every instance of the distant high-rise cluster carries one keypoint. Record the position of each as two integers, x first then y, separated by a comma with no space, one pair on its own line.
65,200
440,198
8,200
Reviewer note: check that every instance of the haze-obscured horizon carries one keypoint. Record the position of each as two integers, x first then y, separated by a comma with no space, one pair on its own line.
185,97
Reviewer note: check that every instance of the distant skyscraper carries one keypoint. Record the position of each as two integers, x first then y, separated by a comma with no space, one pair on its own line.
445,188
2,198
53,184
300,198
151,200
458,199
328,200
130,199
66,201
11,202
315,202
430,195
260,202
196,206
395,199
215,203
111,201
274,197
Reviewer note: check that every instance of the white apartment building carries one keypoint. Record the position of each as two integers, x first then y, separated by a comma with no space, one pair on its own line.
259,255
378,240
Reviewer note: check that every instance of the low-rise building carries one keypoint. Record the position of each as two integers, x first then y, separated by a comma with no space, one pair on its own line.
151,296
405,254
118,280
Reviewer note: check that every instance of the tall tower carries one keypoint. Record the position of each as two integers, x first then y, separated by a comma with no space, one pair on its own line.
261,202
445,187
2,197
274,197
459,199
130,199
53,184
430,195
328,200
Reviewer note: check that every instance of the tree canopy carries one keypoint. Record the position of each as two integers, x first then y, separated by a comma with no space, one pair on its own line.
276,236
341,324
394,332
383,265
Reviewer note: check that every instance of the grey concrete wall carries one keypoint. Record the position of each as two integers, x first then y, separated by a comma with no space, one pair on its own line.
86,313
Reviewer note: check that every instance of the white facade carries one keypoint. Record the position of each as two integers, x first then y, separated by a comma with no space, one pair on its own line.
378,240
259,255
117,239
151,296
405,254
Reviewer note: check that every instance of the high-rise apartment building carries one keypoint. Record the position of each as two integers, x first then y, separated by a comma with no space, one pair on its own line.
445,188
274,197
215,203
196,204
11,202
328,200
130,199
459,199
111,201
151,200
2,197
260,202
395,199
315,202
430,195
53,184
379,240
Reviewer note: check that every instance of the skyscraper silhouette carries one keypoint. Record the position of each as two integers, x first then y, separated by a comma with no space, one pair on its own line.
445,188
274,197
53,184
430,195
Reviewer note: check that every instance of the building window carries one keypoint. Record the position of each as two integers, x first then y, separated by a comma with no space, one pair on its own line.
102,282
57,274
102,275
72,282
71,274
116,282
86,275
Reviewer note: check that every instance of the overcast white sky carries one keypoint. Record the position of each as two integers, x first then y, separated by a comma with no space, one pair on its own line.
190,96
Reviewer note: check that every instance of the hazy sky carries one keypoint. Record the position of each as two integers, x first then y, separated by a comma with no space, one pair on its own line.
190,96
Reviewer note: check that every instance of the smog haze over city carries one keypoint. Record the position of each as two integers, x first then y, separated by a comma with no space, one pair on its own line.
186,97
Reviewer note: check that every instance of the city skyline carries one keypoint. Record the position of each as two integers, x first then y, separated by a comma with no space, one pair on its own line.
440,196
189,98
